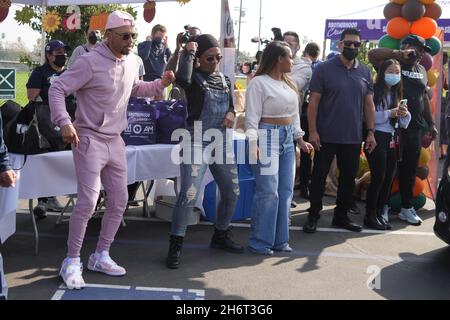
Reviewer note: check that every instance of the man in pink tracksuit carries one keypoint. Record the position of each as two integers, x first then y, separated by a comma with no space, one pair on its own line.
103,80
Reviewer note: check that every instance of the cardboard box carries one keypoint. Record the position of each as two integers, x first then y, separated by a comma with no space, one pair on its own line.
164,210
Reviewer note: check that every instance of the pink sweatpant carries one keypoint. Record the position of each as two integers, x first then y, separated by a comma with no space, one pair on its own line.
98,162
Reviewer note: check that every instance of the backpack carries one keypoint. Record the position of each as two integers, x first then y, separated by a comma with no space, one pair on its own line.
41,136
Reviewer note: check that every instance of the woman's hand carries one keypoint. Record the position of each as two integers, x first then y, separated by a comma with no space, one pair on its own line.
305,146
253,151
228,121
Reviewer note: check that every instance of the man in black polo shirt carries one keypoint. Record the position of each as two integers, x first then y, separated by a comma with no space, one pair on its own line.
341,95
414,77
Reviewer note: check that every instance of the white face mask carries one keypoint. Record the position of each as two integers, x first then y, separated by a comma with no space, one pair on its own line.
392,79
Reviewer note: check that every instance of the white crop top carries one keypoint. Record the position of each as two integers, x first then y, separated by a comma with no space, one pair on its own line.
270,98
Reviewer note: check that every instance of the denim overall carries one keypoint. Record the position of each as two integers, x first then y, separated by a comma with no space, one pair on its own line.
221,163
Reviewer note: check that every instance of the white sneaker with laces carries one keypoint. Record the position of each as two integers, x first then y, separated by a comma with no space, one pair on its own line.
410,216
102,262
71,273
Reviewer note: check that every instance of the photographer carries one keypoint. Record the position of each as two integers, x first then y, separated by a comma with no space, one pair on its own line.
182,39
155,53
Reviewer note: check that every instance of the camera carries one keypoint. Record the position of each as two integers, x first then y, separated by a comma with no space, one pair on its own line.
277,35
186,35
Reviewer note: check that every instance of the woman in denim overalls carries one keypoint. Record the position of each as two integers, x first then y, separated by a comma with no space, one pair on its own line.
210,113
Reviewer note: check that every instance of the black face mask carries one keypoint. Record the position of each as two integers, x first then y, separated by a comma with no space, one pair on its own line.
60,60
93,38
157,41
350,53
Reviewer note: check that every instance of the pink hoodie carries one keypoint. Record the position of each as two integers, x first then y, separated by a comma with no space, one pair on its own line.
103,86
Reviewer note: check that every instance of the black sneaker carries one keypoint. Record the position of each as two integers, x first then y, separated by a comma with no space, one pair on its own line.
40,211
354,209
222,240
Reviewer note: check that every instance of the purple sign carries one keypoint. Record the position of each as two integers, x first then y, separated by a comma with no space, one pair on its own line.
372,29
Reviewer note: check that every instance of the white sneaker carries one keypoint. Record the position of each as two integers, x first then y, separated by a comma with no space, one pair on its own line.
54,205
410,216
71,273
385,213
102,262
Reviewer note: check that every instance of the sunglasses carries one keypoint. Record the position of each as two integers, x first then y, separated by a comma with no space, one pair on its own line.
348,43
126,36
212,58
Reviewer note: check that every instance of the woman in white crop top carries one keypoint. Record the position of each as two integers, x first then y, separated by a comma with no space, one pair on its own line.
272,123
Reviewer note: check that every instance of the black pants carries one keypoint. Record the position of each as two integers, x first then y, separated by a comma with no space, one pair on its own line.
383,164
347,156
305,159
132,190
411,145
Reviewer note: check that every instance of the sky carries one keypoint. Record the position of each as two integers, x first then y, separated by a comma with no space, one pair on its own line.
306,17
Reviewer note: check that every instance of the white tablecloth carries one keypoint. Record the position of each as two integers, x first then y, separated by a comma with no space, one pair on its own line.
53,174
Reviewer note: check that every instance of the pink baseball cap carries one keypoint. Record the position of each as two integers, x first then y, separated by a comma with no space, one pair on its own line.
117,19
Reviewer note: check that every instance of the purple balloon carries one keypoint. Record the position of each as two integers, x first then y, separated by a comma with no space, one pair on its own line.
427,61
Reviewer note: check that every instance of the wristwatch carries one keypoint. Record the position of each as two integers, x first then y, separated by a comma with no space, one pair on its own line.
371,130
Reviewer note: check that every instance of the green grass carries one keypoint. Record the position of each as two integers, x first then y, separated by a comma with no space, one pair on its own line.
21,89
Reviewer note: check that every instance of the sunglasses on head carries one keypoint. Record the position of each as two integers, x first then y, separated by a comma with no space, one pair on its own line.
126,36
212,58
348,43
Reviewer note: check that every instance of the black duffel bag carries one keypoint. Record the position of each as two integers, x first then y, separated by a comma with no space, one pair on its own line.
32,132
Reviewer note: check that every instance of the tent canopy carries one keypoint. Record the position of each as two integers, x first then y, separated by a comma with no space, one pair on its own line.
78,2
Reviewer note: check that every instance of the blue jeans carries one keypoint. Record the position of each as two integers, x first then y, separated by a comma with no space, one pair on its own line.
3,286
273,190
220,161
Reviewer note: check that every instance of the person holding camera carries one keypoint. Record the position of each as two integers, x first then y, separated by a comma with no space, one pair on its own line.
210,111
414,77
182,38
391,114
155,53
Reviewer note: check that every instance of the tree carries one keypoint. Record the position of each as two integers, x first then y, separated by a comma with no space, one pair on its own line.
32,16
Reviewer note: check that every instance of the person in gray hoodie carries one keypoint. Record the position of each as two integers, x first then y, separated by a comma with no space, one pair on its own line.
103,79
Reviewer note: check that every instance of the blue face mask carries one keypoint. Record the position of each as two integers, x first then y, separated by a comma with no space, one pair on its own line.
392,79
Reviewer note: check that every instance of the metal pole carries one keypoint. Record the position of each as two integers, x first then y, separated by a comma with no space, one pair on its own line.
260,18
239,33
44,11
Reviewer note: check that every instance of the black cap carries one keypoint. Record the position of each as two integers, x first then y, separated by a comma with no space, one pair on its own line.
205,42
416,40
56,44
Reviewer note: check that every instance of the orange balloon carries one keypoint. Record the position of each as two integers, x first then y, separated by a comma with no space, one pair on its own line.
424,27
427,1
398,27
395,187
399,1
419,186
